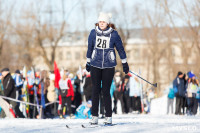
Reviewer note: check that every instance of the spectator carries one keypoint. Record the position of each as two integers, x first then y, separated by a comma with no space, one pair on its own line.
135,94
191,95
18,83
180,89
170,99
67,94
45,82
51,94
77,88
10,91
88,87
125,86
118,93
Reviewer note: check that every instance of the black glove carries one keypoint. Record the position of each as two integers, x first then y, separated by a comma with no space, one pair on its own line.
125,67
88,66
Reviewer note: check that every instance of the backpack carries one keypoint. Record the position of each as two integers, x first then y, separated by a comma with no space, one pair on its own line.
171,93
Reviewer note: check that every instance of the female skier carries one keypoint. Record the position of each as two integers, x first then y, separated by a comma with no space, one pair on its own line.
101,61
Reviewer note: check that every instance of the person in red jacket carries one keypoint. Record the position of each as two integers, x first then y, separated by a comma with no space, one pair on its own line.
66,94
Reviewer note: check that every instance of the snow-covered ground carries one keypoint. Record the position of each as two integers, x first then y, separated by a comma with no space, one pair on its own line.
157,122
125,124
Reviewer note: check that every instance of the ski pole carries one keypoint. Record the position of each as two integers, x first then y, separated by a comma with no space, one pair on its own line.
155,85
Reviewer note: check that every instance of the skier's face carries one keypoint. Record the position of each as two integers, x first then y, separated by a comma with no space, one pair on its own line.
4,73
102,25
126,80
180,76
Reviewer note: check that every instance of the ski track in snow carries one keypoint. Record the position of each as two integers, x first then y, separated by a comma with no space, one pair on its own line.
156,122
125,123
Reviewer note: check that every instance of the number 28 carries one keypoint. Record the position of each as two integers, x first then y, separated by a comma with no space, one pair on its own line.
101,43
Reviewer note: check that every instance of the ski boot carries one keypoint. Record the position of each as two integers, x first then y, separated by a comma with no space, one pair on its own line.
108,121
94,120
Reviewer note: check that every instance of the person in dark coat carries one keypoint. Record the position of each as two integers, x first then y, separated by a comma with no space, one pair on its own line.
10,90
77,91
180,90
125,87
88,88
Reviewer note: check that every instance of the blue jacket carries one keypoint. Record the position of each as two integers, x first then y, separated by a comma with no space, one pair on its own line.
179,83
18,80
101,53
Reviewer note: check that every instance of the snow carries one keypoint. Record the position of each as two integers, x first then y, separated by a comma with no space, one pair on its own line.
155,122
126,123
162,103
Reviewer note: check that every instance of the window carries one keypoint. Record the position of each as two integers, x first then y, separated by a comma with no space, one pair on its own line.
60,55
173,52
68,55
77,55
136,53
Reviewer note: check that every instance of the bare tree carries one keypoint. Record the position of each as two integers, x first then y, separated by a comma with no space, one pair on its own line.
123,25
152,36
4,26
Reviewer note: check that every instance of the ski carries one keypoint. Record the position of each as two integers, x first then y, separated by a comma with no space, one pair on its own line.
68,127
99,125
89,126
72,126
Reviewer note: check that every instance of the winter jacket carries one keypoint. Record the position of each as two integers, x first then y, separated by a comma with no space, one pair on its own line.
66,84
9,86
18,81
30,85
51,94
191,90
135,87
179,83
101,44
77,85
171,93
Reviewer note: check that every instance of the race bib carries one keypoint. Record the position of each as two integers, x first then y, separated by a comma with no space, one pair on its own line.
102,42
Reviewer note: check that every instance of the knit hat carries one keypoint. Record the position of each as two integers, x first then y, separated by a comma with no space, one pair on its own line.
105,17
89,102
17,71
179,73
190,74
5,69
